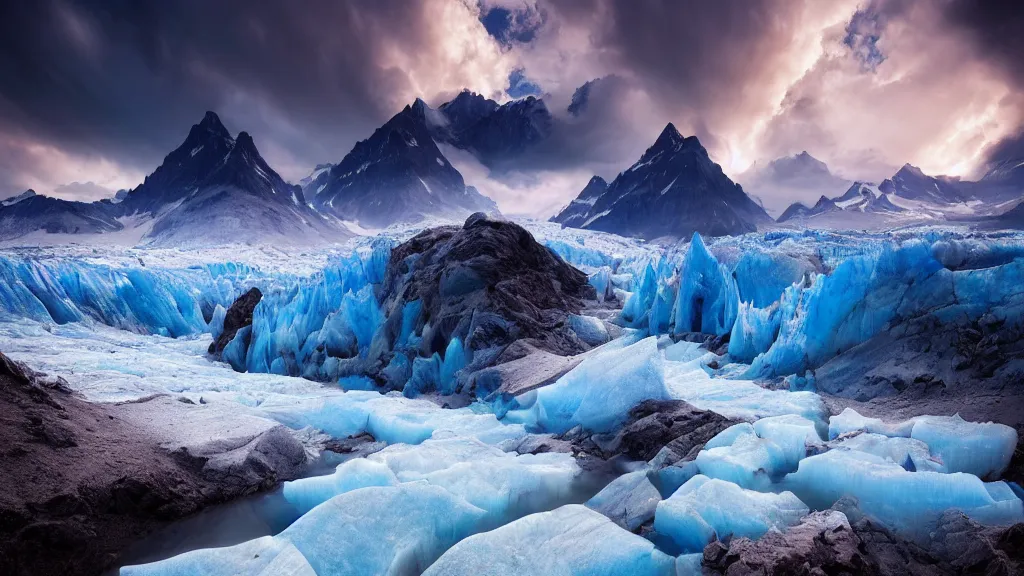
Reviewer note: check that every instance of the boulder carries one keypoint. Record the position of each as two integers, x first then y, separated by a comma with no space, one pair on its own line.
238,316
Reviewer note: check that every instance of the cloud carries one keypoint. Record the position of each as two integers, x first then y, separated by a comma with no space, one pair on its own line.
126,80
84,191
865,85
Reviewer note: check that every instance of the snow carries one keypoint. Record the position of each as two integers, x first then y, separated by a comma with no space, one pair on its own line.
196,150
591,220
440,162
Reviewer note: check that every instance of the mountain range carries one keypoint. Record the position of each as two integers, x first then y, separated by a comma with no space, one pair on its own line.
909,197
218,189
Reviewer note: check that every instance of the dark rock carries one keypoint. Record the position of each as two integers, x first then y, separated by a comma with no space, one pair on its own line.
238,316
81,481
490,284
823,543
671,424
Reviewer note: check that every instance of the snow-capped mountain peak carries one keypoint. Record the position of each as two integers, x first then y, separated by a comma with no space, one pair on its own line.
15,199
675,189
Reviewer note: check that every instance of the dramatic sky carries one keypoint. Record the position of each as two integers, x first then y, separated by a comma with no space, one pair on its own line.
94,94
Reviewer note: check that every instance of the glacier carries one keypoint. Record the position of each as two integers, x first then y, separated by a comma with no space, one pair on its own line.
737,326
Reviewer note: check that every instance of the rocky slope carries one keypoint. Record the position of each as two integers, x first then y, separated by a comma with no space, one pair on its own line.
80,481
54,216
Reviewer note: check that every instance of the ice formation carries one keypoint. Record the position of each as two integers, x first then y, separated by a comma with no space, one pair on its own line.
705,509
788,302
378,530
598,393
908,502
981,449
568,541
504,485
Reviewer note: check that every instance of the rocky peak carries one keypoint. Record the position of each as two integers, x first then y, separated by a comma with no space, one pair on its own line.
15,199
594,188
209,127
669,137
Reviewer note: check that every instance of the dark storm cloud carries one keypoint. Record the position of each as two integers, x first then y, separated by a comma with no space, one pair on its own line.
126,79
997,29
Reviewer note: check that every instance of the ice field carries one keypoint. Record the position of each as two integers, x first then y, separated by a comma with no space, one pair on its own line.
450,489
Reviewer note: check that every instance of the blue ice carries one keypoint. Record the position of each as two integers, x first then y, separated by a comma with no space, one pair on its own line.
568,541
705,509
908,502
598,393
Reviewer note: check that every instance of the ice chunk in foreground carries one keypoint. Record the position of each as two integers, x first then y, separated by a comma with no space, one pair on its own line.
589,329
849,420
912,454
392,419
738,399
792,433
907,502
569,541
629,500
308,493
380,530
598,393
982,449
504,484
750,462
704,509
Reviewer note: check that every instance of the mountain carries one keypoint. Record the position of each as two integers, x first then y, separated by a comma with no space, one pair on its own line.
15,199
320,169
673,190
799,210
183,170
212,189
1005,165
30,212
495,134
576,212
397,174
913,184
215,189
799,178
242,200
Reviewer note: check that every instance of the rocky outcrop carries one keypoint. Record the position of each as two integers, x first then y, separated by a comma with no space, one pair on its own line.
80,481
823,543
672,426
829,543
488,283
238,316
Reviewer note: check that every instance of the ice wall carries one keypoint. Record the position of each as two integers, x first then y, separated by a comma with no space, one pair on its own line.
143,300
